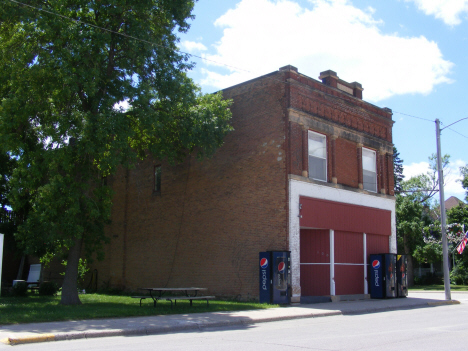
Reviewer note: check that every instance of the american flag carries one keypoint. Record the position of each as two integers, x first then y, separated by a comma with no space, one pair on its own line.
462,245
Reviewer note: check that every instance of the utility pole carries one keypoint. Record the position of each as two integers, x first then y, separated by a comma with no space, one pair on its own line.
442,209
442,215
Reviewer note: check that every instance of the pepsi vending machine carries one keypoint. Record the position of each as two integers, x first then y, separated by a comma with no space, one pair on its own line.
275,277
402,278
382,276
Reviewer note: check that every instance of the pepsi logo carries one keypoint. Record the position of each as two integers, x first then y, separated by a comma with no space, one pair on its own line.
264,263
376,264
281,267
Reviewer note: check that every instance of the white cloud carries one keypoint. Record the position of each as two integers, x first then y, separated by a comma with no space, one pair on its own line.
263,35
192,46
448,11
415,169
452,176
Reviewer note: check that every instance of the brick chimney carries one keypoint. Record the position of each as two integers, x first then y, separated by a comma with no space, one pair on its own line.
289,68
331,79
357,89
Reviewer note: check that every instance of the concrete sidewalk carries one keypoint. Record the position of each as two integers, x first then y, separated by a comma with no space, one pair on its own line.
55,331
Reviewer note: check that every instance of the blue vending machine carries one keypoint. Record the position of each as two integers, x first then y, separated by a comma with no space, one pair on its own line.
275,277
265,277
382,276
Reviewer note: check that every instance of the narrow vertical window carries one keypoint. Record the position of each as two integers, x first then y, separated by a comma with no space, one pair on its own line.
157,179
369,170
317,156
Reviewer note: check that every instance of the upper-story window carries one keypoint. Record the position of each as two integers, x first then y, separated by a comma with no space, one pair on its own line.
317,156
369,170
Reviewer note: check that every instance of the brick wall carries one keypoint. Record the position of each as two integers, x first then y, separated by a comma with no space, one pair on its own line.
346,163
349,120
211,218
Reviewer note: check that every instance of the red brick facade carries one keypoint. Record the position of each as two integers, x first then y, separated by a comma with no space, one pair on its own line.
211,218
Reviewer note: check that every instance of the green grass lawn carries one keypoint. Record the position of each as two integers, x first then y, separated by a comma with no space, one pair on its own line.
35,308
439,287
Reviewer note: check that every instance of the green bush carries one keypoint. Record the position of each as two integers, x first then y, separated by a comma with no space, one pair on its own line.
48,288
428,279
20,289
459,275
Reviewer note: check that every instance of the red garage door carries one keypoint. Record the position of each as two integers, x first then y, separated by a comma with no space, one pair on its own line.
349,263
315,262
377,244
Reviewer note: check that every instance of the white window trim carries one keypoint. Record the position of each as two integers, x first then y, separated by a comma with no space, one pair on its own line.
375,170
326,155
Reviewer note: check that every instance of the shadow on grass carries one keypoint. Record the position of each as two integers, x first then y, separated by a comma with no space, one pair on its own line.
32,309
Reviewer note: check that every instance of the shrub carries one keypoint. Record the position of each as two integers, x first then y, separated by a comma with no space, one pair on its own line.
428,279
48,288
459,275
20,289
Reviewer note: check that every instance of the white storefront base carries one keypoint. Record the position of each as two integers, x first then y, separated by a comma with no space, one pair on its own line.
298,188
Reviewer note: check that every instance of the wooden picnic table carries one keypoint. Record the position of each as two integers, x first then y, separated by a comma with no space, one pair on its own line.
190,294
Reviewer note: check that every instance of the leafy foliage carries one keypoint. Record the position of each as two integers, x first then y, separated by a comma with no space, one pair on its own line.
48,288
464,181
414,212
397,170
61,80
83,268
20,289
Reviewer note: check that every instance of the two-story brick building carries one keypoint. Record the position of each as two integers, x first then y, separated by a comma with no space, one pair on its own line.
308,168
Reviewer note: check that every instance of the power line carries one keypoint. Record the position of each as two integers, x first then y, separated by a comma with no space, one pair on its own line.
453,130
126,35
428,120
142,40
454,122
185,53
421,118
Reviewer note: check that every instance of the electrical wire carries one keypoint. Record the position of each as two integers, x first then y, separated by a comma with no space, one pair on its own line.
125,35
453,130
421,118
192,55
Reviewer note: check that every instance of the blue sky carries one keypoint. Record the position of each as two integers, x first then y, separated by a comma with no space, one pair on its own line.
409,55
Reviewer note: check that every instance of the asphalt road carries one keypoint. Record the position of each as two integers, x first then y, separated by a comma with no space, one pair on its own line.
432,328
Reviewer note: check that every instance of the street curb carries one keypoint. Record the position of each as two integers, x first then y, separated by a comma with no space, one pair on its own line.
441,303
202,325
30,339
396,308
155,330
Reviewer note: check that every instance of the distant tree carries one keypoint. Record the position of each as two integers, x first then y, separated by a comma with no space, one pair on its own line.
457,225
61,80
411,217
464,180
397,170
414,212
458,214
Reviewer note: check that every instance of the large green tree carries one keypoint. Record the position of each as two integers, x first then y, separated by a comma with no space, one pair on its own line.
64,67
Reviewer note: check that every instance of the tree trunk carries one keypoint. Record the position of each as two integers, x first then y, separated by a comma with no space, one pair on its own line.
70,282
409,267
